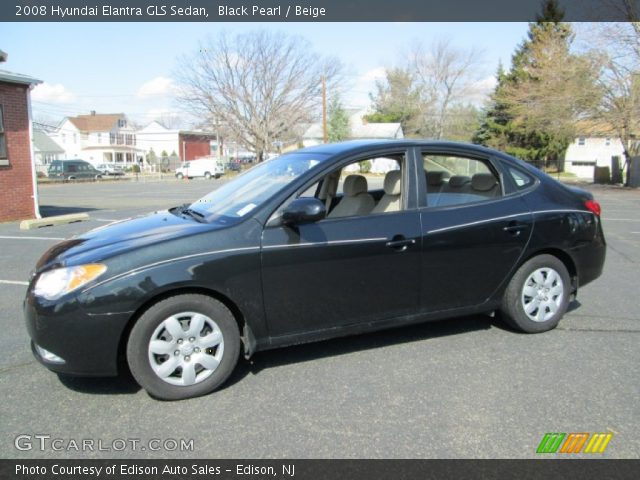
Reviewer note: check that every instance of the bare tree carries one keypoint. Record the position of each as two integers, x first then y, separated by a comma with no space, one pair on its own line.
447,76
618,46
171,121
260,85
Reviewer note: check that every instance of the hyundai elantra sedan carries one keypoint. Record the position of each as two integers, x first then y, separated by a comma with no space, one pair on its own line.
326,241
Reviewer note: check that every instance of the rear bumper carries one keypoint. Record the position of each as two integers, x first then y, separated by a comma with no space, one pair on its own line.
590,259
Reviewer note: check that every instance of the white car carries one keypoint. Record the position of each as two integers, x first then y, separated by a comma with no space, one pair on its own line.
206,168
110,169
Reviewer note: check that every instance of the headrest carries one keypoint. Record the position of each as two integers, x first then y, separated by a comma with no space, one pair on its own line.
458,181
483,182
392,182
354,185
435,179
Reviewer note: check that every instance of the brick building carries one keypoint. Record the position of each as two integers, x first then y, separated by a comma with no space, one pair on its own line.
18,189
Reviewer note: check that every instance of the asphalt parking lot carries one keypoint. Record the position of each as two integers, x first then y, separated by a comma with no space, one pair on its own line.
463,388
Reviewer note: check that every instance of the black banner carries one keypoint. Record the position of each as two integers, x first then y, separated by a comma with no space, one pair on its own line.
309,10
320,469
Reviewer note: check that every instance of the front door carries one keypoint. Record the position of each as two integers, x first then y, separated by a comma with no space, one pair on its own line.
361,264
339,272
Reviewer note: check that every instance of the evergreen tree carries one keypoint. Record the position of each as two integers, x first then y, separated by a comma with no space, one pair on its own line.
337,122
535,106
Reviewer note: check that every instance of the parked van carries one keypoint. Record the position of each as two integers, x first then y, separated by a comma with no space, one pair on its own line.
204,167
72,170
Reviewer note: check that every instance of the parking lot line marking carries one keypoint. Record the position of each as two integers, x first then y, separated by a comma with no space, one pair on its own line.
29,238
14,282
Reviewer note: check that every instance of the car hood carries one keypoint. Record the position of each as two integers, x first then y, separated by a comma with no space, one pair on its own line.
126,235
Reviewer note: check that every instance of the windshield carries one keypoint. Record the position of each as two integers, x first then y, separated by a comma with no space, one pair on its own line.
250,190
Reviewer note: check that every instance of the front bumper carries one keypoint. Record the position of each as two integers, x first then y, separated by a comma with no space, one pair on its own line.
87,343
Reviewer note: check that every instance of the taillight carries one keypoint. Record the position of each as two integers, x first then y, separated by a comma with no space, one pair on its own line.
593,206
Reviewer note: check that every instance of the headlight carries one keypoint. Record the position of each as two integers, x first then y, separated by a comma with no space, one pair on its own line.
55,283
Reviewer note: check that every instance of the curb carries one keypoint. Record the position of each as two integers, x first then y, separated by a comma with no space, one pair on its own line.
51,221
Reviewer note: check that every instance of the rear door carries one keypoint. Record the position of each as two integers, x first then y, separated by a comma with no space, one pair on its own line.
473,232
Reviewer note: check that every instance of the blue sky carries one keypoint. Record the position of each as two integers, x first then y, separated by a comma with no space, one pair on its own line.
127,67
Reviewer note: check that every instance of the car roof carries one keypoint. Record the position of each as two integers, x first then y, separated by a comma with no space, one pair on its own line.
355,146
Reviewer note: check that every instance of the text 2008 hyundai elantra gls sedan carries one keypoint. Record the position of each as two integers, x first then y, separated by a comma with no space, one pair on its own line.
306,247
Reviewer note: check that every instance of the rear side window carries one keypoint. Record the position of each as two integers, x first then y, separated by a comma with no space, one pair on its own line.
458,180
520,179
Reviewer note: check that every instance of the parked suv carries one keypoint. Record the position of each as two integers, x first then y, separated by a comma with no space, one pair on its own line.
204,167
72,170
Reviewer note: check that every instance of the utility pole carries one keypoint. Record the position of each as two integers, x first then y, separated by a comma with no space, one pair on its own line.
324,109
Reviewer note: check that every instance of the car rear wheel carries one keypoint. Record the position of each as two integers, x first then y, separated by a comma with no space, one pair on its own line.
538,295
184,346
207,175
179,176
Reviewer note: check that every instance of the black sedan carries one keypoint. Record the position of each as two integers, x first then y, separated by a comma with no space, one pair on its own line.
305,247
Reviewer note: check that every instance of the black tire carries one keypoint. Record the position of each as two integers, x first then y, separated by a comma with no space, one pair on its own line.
513,302
207,175
179,176
138,356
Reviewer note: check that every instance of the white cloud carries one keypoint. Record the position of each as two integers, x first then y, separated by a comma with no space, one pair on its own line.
51,93
374,74
156,86
479,91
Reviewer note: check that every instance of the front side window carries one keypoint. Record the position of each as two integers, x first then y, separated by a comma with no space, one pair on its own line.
458,180
363,187
256,186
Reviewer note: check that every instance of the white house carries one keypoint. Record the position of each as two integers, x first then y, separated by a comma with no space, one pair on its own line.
359,128
594,146
45,150
98,138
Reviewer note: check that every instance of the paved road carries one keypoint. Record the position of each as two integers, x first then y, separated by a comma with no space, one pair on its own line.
461,388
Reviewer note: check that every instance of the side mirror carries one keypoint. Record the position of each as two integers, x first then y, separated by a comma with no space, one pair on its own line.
303,210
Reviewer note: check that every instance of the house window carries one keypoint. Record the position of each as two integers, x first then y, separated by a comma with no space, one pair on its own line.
581,141
585,163
3,142
64,138
99,138
122,123
607,141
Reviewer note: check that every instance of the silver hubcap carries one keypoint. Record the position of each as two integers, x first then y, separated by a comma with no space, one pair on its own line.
186,348
542,294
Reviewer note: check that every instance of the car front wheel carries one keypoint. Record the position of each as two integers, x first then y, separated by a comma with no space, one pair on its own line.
184,346
538,295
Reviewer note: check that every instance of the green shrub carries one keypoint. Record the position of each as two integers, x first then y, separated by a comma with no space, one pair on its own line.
365,166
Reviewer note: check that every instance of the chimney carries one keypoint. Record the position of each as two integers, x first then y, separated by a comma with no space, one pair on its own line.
93,113
3,56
